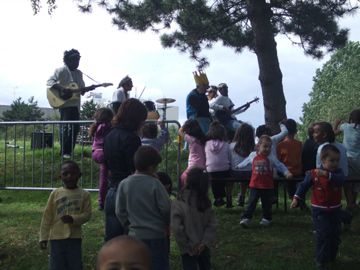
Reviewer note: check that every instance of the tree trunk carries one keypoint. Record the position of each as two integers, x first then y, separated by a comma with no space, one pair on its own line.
270,75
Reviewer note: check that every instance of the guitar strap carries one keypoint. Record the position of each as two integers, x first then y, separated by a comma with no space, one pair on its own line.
90,78
69,71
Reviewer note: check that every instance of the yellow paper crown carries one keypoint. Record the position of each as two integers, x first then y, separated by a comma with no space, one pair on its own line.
200,78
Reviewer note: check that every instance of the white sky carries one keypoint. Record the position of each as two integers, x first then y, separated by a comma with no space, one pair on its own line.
31,47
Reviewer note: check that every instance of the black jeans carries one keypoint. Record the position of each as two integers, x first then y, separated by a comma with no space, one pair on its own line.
113,227
159,253
65,254
68,132
265,195
328,228
218,187
201,262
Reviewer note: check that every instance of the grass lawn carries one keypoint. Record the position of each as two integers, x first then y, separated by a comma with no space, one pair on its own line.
288,244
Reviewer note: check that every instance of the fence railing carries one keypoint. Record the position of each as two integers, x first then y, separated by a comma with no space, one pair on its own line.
30,155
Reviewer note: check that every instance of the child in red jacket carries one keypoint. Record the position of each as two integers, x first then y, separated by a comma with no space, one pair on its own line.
261,182
327,184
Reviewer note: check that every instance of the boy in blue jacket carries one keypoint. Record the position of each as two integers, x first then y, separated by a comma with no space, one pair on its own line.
327,185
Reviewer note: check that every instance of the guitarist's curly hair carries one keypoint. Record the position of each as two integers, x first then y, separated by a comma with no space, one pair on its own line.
69,54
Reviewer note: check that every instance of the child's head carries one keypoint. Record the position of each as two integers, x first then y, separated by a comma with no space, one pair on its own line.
216,132
198,181
310,132
263,130
165,180
146,159
124,253
149,130
244,140
212,92
192,128
323,132
291,126
264,145
103,115
355,117
70,174
330,157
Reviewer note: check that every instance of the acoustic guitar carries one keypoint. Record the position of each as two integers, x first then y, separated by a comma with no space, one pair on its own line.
58,100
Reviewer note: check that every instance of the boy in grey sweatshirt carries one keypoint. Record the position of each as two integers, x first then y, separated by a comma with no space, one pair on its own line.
143,204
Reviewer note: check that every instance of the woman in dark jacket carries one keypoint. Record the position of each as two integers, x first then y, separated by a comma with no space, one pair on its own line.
120,146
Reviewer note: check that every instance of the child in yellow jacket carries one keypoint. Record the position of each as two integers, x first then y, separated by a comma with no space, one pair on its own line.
67,209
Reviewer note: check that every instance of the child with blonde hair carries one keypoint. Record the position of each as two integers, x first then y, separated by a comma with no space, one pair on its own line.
262,182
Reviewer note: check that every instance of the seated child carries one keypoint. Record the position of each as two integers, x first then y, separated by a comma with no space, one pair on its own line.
67,209
326,182
289,153
261,182
124,252
143,204
149,135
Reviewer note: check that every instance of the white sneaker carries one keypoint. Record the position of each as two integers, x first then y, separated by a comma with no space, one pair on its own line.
66,156
245,222
265,222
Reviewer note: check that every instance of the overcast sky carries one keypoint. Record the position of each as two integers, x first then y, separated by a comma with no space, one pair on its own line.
32,47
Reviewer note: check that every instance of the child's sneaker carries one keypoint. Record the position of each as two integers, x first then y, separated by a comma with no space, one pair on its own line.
245,222
265,222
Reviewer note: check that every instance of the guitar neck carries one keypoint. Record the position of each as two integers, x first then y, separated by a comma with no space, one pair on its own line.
92,87
245,105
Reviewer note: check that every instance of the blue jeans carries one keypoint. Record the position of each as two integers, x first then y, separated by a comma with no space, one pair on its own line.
193,262
65,254
233,125
159,253
328,228
113,226
204,123
265,195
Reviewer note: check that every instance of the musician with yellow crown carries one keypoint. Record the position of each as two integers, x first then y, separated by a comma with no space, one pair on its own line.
197,105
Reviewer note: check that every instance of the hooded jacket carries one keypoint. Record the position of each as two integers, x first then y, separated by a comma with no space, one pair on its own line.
217,156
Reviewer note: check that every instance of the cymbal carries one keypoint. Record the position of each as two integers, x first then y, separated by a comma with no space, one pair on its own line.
165,100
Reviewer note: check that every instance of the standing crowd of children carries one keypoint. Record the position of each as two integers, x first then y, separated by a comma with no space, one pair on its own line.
140,194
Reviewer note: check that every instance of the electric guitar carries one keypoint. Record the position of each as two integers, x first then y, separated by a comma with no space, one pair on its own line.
244,107
57,99
225,116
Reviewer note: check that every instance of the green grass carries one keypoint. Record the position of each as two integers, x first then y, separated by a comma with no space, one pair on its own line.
288,244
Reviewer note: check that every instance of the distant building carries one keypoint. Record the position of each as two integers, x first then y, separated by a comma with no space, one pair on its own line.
96,98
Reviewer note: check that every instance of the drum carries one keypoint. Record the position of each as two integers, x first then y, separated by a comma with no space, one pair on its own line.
152,112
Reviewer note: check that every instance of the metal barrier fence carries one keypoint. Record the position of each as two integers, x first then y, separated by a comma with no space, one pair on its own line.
30,157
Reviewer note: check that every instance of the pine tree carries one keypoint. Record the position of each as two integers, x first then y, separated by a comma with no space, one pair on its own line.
239,24
22,111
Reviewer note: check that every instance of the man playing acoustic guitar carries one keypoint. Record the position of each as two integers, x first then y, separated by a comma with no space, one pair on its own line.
70,110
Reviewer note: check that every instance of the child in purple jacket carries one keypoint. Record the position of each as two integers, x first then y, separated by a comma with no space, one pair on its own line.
98,131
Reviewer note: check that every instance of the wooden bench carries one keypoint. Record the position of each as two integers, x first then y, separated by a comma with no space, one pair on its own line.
280,180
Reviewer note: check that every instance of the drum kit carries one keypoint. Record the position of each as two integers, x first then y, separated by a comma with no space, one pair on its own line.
153,114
